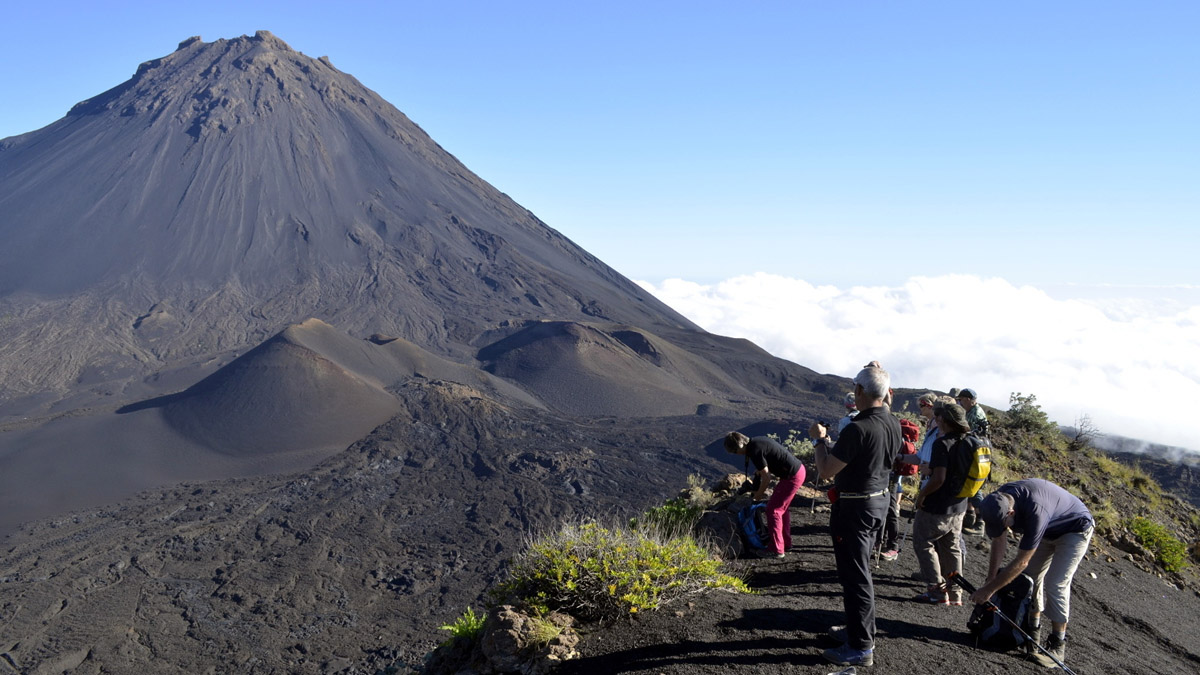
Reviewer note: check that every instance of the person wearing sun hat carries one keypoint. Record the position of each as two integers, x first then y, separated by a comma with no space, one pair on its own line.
1056,530
937,524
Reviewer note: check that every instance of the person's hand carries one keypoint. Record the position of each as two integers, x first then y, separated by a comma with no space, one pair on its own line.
816,431
979,598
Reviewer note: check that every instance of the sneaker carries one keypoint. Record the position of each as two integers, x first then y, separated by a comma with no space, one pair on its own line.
933,597
848,656
890,555
838,633
767,553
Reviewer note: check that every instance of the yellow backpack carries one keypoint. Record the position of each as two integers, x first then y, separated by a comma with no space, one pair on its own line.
974,453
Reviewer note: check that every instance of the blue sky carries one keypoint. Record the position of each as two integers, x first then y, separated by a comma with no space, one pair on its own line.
987,150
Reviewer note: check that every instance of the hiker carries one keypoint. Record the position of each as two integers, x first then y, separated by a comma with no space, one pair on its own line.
901,469
859,465
977,419
851,411
976,416
925,404
937,525
1056,529
771,458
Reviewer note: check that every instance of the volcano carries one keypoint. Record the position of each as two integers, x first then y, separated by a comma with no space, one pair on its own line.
227,266
243,298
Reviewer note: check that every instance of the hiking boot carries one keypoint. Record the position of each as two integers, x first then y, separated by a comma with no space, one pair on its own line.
768,553
849,656
1030,646
890,555
1057,648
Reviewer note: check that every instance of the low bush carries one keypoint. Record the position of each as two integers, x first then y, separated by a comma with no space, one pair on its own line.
676,517
798,443
466,626
1170,552
600,573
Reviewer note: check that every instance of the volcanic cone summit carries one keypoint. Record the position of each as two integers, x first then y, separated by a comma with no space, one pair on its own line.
247,187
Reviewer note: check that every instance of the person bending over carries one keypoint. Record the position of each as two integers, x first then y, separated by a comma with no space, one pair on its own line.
771,459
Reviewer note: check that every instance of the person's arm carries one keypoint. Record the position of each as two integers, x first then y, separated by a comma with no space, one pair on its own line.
935,481
764,481
828,466
1005,576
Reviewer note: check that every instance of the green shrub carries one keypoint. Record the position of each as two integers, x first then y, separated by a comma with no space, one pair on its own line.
466,626
798,443
599,573
675,517
1024,414
1171,553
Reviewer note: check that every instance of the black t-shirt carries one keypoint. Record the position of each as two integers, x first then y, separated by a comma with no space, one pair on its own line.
942,500
766,453
868,446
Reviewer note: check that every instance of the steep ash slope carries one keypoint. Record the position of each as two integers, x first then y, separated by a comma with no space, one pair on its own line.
233,187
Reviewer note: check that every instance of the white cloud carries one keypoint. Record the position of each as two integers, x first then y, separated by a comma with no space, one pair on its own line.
1132,365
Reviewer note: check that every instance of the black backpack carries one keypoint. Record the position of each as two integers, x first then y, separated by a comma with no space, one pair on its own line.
993,632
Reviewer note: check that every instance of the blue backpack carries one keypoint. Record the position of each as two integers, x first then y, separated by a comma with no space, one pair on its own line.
753,522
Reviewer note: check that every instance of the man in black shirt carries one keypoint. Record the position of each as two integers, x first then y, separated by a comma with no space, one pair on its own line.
771,458
859,465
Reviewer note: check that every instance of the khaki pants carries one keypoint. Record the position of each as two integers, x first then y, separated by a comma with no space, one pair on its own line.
936,544
1053,567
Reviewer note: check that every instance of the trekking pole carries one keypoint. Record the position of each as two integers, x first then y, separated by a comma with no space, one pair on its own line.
956,578
904,536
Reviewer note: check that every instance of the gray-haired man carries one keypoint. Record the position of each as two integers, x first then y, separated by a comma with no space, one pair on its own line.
859,465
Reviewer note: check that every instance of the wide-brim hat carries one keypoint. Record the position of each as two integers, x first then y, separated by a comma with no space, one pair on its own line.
955,415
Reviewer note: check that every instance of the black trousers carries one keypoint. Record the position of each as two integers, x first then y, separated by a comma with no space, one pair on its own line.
855,524
891,526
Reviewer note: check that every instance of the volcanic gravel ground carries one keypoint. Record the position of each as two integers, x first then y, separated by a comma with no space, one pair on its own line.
1125,620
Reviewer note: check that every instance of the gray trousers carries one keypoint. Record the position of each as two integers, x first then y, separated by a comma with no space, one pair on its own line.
936,544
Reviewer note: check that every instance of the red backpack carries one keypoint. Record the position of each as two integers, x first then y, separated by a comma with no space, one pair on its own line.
911,432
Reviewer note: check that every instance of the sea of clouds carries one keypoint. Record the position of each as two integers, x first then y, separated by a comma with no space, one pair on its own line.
1129,363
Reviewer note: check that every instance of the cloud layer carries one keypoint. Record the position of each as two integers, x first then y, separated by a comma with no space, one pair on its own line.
1131,364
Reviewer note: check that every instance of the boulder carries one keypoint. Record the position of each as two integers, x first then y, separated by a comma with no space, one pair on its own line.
731,483
511,644
721,528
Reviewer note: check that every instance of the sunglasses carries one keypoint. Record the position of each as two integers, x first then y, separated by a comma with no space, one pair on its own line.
923,404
